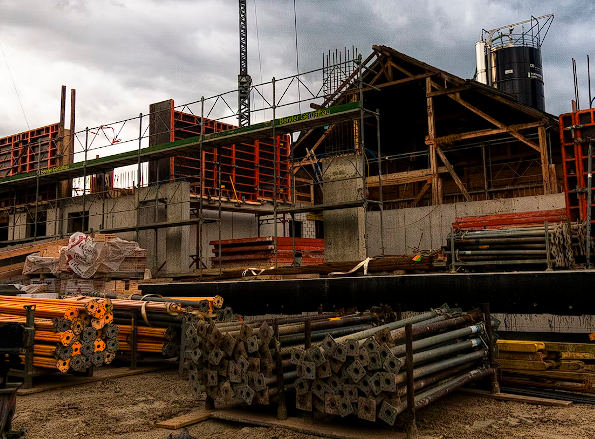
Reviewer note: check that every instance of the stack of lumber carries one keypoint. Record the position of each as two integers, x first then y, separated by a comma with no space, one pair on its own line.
260,251
344,366
384,264
69,334
12,259
549,365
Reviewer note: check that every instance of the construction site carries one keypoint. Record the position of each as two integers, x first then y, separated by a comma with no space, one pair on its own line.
391,252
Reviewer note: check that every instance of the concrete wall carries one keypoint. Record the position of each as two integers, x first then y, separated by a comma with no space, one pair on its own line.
423,228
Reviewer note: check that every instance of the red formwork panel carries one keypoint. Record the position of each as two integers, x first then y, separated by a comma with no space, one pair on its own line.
18,152
575,130
247,169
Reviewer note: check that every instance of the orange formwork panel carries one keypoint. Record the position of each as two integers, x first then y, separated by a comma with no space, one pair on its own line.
575,130
247,169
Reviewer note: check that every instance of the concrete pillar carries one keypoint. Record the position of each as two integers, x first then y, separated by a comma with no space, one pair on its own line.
178,238
344,229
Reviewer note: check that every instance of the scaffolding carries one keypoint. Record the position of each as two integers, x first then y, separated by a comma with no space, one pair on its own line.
279,100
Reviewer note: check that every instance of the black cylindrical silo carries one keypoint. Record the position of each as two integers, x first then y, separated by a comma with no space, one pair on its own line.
518,71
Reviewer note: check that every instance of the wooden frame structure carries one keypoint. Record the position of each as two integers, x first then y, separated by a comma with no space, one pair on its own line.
456,125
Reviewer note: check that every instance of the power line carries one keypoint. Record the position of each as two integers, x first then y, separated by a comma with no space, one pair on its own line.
297,57
258,45
14,85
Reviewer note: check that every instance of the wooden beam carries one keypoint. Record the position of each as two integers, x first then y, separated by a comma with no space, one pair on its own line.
403,177
306,160
487,132
185,420
432,144
446,91
453,174
421,194
545,170
399,68
518,398
392,83
456,97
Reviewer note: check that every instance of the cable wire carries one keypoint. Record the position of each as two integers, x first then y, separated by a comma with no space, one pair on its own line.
297,56
258,45
14,85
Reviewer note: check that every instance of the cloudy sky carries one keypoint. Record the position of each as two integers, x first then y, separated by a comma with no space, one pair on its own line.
122,55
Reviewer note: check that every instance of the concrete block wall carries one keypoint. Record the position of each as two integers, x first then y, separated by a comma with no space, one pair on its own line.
424,228
308,227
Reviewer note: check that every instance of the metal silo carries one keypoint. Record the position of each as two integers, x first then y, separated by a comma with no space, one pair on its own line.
513,61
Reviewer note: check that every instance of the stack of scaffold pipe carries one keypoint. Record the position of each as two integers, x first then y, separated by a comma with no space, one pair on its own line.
152,325
339,366
551,245
69,334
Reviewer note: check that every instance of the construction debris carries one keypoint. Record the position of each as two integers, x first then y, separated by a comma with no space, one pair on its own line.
567,367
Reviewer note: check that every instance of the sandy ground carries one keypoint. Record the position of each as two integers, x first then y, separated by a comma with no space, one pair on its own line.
128,407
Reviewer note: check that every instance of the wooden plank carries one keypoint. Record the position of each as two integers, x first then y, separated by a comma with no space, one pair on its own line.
453,174
527,356
185,420
570,347
520,346
517,398
421,194
11,270
555,374
335,430
79,381
405,177
29,248
525,364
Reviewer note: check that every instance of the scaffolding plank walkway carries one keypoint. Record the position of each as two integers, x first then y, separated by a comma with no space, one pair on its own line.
284,125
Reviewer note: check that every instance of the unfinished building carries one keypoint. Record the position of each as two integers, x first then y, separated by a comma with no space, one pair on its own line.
389,157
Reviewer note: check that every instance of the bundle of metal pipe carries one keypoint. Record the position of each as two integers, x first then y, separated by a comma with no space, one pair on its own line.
554,245
69,334
362,373
251,362
208,306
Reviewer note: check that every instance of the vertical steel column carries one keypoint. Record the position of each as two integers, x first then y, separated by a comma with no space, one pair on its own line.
589,202
399,311
495,387
182,358
308,333
485,170
380,199
133,339
293,234
14,217
275,175
282,407
85,177
28,366
219,207
37,187
453,267
140,138
411,425
363,152
202,183
547,246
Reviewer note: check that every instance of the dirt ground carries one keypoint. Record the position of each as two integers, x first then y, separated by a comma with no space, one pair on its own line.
128,407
